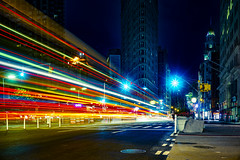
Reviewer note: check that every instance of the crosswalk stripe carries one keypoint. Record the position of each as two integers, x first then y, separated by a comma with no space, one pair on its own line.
165,153
158,127
168,139
165,144
158,152
171,145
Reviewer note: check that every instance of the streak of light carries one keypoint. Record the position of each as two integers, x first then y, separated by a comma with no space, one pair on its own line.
62,77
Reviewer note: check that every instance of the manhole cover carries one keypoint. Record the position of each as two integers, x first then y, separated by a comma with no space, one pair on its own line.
132,151
184,143
204,147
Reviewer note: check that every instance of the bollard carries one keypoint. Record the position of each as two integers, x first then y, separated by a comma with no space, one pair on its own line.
50,119
175,127
59,121
24,123
6,121
37,122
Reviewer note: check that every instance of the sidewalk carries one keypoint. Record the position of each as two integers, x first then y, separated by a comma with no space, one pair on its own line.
218,141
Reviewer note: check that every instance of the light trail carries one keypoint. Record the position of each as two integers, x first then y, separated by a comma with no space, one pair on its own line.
15,13
70,80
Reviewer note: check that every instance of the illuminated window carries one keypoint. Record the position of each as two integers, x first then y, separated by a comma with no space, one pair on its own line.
210,45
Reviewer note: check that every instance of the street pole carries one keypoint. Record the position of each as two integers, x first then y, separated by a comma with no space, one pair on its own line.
104,96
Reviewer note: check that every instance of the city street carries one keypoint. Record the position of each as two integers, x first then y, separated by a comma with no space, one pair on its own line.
153,139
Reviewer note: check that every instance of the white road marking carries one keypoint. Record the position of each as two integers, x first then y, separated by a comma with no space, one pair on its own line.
165,144
158,127
165,153
173,139
118,131
168,139
158,152
147,127
169,127
171,145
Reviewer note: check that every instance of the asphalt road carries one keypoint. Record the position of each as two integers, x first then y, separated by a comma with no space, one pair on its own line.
95,142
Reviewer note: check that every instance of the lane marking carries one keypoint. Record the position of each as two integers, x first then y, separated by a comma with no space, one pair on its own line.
165,144
165,153
158,152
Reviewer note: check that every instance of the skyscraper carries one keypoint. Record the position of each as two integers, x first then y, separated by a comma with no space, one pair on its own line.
209,71
139,26
229,88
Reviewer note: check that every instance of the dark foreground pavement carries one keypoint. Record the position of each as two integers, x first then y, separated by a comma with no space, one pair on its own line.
103,142
218,141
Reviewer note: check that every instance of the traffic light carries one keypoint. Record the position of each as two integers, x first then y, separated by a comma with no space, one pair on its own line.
205,87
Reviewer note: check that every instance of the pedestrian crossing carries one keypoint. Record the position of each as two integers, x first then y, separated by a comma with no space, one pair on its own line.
129,127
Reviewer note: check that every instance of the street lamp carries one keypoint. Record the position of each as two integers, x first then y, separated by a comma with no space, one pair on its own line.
194,100
175,82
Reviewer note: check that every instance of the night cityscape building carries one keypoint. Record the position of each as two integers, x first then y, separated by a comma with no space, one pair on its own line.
229,87
114,62
208,75
163,76
139,48
54,9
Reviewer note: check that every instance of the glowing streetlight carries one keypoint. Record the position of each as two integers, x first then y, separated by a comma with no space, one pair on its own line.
125,86
174,83
194,100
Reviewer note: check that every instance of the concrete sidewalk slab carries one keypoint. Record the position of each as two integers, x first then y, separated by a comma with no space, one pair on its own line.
216,142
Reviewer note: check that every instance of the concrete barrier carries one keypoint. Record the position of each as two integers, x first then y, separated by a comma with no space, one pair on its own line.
181,120
193,126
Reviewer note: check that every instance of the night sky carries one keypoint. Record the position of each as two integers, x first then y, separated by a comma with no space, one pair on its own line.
183,25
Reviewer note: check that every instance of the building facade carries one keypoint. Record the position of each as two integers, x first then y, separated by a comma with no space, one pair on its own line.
208,75
54,9
163,75
229,87
139,23
114,62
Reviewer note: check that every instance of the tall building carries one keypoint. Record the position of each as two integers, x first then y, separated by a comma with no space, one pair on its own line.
139,23
163,74
229,87
114,62
52,8
208,75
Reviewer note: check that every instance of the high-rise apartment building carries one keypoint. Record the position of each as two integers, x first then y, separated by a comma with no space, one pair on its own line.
139,26
229,87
